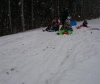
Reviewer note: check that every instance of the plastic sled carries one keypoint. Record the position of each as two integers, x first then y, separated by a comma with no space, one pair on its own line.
73,23
65,33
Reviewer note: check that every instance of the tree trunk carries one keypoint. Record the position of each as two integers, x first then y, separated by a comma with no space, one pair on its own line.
33,25
22,14
58,7
9,12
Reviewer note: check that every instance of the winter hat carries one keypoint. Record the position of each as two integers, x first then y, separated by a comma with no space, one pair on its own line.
67,21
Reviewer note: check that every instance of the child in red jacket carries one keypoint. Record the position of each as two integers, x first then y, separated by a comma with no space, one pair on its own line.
54,25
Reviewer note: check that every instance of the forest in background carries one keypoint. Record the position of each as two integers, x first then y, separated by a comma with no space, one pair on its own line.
22,15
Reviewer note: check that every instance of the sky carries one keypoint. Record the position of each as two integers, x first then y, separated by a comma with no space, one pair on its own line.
36,57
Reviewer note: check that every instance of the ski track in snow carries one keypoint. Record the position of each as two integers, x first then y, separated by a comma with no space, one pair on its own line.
37,57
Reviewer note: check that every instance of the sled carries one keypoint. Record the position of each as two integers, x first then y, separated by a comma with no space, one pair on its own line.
64,32
60,32
95,28
73,23
69,31
79,27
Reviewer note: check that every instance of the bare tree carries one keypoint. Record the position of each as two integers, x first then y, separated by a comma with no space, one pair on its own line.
32,13
9,13
22,14
33,18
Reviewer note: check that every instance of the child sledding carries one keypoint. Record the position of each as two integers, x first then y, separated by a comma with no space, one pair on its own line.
54,25
84,24
66,28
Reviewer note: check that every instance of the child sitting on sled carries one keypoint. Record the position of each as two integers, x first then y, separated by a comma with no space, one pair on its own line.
84,24
66,28
54,25
67,25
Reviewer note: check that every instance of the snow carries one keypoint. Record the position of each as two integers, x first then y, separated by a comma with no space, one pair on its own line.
36,57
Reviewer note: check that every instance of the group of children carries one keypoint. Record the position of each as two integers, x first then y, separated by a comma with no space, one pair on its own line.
66,28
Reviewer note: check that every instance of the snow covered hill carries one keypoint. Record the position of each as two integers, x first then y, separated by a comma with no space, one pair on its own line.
37,57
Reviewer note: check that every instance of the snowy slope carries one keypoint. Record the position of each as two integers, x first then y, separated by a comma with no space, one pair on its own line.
37,57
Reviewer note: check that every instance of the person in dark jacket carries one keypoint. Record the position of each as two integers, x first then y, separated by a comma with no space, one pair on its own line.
85,23
64,14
